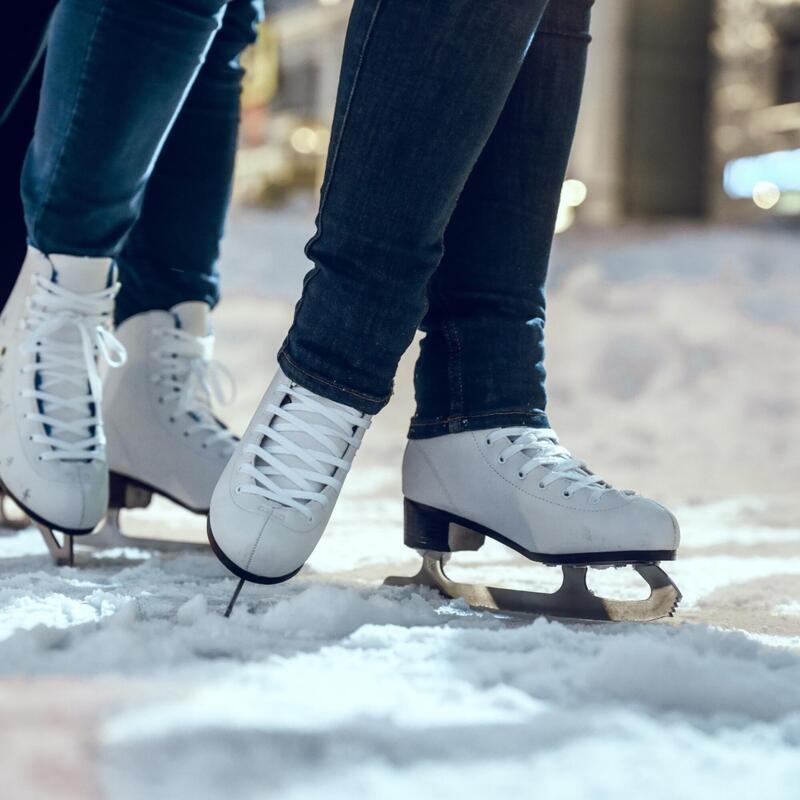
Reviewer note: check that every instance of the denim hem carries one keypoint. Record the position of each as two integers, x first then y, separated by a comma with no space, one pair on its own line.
329,389
428,429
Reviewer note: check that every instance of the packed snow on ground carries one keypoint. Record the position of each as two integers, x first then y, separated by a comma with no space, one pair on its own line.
333,686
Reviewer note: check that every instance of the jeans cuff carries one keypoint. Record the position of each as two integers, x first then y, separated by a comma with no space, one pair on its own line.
329,389
427,429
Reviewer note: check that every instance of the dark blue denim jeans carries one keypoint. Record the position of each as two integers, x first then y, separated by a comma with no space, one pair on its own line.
133,150
450,143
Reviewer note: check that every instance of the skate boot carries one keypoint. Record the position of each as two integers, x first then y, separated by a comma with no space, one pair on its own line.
520,487
53,330
163,437
278,491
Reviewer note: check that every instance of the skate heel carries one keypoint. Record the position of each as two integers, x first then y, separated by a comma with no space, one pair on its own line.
429,529
124,492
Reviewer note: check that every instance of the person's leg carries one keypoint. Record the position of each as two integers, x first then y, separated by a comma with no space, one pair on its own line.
481,363
423,84
401,155
158,411
171,254
115,78
482,454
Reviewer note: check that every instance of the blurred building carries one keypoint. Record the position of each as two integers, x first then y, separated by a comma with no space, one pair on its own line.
691,107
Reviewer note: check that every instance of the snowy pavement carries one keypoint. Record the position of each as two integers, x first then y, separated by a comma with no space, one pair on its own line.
334,686
120,679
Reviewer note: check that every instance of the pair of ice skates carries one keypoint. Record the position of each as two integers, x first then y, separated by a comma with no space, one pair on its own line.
516,485
76,452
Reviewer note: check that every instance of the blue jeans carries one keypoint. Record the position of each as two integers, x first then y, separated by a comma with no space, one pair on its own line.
450,143
132,155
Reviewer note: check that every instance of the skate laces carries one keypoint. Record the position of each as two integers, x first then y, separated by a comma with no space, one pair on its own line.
287,471
542,448
193,380
68,387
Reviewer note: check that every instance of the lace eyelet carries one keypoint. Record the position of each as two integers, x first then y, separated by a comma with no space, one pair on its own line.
488,442
566,494
521,475
501,460
541,485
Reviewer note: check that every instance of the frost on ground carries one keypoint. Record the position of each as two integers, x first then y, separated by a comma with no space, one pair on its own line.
333,686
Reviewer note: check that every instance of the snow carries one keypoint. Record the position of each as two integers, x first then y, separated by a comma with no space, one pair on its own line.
334,686
123,678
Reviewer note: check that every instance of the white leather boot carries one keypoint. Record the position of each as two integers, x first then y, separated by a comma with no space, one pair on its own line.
163,436
277,493
53,329
520,487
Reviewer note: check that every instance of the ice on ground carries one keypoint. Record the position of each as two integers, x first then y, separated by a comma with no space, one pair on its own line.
333,686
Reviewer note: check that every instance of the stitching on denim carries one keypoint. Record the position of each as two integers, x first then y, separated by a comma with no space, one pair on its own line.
73,113
345,119
446,420
372,399
586,37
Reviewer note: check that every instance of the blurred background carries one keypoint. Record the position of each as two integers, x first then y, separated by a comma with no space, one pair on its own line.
674,304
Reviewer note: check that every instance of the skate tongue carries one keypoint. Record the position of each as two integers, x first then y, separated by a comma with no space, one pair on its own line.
193,317
81,275
306,442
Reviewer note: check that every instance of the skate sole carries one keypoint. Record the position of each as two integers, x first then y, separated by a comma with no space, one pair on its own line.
243,574
40,520
427,528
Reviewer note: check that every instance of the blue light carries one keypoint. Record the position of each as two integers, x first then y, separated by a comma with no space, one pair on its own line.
781,168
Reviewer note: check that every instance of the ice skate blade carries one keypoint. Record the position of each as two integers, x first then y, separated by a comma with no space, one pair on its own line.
236,592
573,600
63,552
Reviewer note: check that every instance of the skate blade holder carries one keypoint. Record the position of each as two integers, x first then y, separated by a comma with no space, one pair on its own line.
63,551
573,600
125,494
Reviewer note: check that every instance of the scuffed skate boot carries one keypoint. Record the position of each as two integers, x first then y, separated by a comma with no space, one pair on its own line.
277,493
53,330
520,487
163,436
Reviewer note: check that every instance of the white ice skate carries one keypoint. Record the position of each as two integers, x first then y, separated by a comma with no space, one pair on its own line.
53,330
278,491
520,487
163,436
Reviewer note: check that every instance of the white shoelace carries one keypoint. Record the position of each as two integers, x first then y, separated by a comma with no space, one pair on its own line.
315,468
191,379
69,366
542,449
